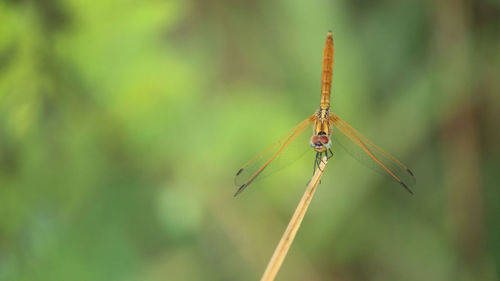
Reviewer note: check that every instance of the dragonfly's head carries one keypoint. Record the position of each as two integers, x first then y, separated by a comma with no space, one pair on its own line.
320,142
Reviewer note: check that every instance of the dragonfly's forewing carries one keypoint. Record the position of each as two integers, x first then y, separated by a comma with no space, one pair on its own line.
369,154
259,165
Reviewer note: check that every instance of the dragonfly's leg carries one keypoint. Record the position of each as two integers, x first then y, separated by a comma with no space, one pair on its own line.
329,149
326,154
320,159
315,163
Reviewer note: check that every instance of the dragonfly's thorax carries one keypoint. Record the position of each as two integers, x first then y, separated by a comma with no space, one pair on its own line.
320,140
322,125
323,114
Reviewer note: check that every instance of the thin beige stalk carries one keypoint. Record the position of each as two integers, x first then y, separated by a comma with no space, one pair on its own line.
286,240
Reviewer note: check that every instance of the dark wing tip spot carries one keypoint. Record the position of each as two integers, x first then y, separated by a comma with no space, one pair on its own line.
239,172
411,173
240,189
406,187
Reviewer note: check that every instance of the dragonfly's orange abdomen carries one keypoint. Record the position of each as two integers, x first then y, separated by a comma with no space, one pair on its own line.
326,74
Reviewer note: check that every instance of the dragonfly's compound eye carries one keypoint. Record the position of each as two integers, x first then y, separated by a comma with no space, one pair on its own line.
318,142
315,141
324,139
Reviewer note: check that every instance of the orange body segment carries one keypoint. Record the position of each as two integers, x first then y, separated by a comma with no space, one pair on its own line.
326,73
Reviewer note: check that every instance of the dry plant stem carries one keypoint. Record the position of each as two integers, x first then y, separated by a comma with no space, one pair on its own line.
294,224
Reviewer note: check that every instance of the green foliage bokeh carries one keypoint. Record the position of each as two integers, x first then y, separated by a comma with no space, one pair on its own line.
122,124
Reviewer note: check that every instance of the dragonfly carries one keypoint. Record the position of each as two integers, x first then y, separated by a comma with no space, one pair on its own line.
327,126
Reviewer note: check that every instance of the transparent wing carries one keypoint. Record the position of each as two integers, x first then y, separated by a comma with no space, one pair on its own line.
255,167
369,154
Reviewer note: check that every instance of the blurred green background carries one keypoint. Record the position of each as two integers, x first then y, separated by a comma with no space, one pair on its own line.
122,124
